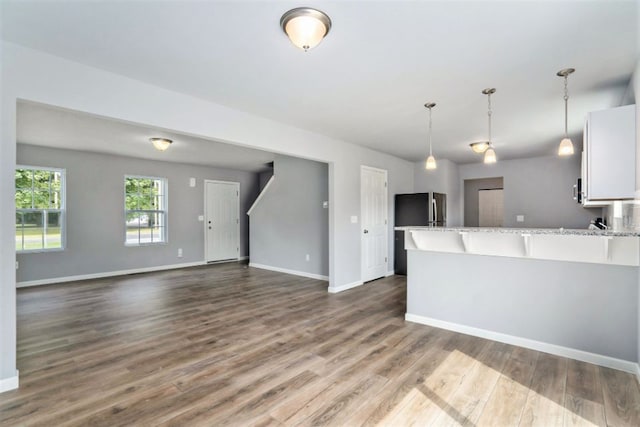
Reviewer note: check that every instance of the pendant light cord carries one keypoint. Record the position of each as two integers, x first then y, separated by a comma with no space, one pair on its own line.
566,106
430,151
489,116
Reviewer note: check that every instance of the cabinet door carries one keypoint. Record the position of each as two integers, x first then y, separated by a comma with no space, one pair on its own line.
611,154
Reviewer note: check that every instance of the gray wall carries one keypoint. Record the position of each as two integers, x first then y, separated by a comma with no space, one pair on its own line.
471,197
444,179
95,213
552,302
289,221
538,188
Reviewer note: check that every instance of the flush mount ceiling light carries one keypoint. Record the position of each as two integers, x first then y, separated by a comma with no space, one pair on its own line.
566,146
479,147
160,144
489,154
305,27
431,161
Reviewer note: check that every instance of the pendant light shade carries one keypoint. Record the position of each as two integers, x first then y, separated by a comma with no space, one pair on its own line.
431,161
566,146
490,156
305,27
160,144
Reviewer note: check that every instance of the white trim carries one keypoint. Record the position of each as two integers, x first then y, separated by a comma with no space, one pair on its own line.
336,289
287,271
638,372
390,273
206,245
10,383
264,190
53,280
572,353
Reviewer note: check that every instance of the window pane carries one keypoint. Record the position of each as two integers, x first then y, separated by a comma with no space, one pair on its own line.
53,232
41,199
157,234
33,231
41,179
55,201
18,231
23,199
56,181
145,235
24,178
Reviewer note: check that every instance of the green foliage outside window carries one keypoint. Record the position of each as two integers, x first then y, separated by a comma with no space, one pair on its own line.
39,209
145,201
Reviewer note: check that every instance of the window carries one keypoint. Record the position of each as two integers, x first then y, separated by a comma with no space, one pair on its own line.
39,209
145,204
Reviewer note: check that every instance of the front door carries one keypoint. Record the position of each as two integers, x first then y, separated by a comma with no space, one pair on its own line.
222,221
374,230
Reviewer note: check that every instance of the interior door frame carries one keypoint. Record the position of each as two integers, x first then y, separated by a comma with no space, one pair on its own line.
386,210
204,225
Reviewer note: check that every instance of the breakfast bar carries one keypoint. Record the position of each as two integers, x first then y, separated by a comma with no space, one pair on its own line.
568,292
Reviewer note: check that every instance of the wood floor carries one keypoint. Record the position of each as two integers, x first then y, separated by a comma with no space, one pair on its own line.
232,345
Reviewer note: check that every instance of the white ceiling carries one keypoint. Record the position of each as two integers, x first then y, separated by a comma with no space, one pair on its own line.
53,127
368,80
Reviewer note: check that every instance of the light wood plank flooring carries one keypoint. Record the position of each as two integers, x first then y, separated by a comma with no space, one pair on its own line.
232,345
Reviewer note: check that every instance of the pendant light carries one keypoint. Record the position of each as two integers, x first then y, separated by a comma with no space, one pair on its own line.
431,161
305,26
489,154
566,146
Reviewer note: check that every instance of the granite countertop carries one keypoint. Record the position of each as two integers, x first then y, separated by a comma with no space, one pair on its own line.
560,231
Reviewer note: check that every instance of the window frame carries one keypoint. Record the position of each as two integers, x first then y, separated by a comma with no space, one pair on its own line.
62,210
164,211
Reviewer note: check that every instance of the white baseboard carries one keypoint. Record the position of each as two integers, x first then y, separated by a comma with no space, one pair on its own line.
287,271
638,372
336,289
572,353
106,274
390,273
10,383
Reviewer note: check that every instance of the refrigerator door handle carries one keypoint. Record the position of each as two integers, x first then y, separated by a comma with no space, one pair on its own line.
435,211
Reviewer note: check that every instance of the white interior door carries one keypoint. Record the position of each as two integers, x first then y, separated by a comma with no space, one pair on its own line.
490,208
373,217
222,220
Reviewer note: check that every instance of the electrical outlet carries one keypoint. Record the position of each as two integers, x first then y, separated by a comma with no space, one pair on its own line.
519,218
192,182
17,265
180,253
307,257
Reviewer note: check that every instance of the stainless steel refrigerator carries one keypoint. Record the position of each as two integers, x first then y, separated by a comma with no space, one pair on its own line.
417,209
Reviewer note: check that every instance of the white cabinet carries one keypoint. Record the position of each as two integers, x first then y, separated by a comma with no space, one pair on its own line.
609,158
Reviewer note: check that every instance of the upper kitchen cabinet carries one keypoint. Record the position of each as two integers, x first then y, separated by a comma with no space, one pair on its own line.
609,162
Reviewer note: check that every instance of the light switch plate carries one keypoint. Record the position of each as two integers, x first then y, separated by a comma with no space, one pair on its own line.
200,218
519,218
325,205
354,219
192,182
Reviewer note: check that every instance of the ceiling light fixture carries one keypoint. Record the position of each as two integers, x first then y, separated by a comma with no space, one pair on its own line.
566,146
305,27
160,144
479,147
431,161
489,154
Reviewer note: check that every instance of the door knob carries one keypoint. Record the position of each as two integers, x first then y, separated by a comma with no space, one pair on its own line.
366,231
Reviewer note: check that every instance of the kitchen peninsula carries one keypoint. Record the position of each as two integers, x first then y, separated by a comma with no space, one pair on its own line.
568,292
